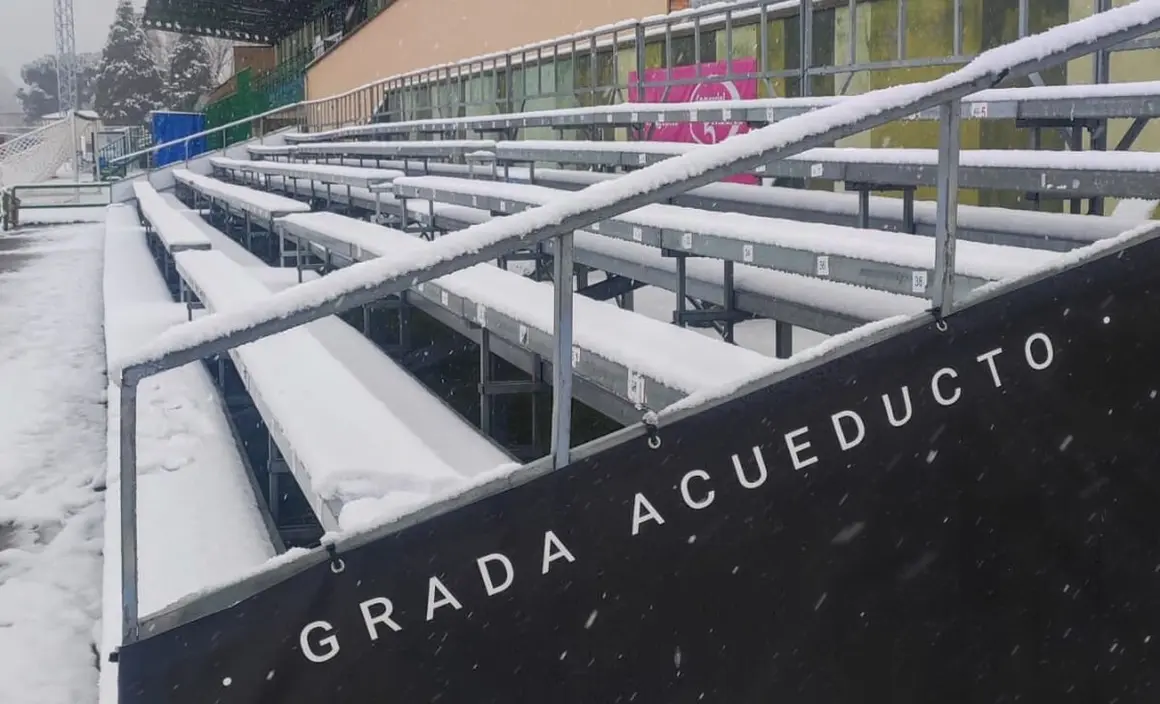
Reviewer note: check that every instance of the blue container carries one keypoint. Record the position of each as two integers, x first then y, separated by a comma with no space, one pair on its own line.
168,126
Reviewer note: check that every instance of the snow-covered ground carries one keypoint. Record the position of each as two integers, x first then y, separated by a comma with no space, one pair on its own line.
52,451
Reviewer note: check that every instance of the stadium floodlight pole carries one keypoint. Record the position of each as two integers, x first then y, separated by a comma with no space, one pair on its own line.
66,71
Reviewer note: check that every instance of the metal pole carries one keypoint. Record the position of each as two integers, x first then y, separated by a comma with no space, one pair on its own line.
128,495
562,352
946,223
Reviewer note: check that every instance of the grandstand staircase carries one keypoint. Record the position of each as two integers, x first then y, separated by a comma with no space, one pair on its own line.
956,506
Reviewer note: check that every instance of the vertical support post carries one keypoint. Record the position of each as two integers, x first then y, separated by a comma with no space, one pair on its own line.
908,225
682,273
806,27
273,481
727,287
128,498
864,207
946,223
783,345
485,404
562,265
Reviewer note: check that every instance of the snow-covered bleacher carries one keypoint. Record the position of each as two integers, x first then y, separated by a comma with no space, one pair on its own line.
893,262
367,217
641,361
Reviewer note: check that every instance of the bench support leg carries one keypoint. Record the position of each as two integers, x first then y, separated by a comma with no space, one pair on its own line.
485,377
679,312
946,222
727,286
562,352
783,345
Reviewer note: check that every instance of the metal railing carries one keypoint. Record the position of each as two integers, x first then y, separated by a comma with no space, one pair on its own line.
51,196
367,282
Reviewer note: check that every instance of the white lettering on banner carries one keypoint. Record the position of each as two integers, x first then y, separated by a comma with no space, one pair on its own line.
446,598
485,572
808,447
889,405
1048,352
372,621
692,503
937,390
643,511
844,441
328,643
796,447
762,472
554,550
989,358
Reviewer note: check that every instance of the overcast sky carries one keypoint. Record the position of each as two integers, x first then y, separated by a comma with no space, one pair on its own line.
26,30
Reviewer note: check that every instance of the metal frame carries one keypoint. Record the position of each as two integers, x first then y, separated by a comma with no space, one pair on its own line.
612,376
842,208
366,283
786,313
719,244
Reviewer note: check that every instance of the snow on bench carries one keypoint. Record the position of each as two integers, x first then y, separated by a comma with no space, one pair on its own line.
446,432
888,261
175,232
825,306
348,451
438,149
273,278
322,173
658,363
262,151
1024,228
829,307
1130,174
198,520
256,204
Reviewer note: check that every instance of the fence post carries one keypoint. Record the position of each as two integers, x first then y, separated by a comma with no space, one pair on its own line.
946,221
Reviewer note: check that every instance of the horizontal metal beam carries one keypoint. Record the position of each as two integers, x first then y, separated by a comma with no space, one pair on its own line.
882,276
795,313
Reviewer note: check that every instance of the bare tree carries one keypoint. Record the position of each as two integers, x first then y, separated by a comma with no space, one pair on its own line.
221,59
160,45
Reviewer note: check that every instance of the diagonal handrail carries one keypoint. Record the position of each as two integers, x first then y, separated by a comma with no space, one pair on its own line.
373,280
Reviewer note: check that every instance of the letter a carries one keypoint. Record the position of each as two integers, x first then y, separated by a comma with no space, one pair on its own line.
554,550
434,585
649,513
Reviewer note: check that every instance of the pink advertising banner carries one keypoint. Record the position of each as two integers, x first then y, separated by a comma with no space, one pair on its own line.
711,86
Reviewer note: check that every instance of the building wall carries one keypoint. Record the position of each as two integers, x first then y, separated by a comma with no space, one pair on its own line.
414,34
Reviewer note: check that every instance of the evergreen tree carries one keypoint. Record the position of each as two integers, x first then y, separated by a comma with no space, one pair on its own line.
129,83
190,76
